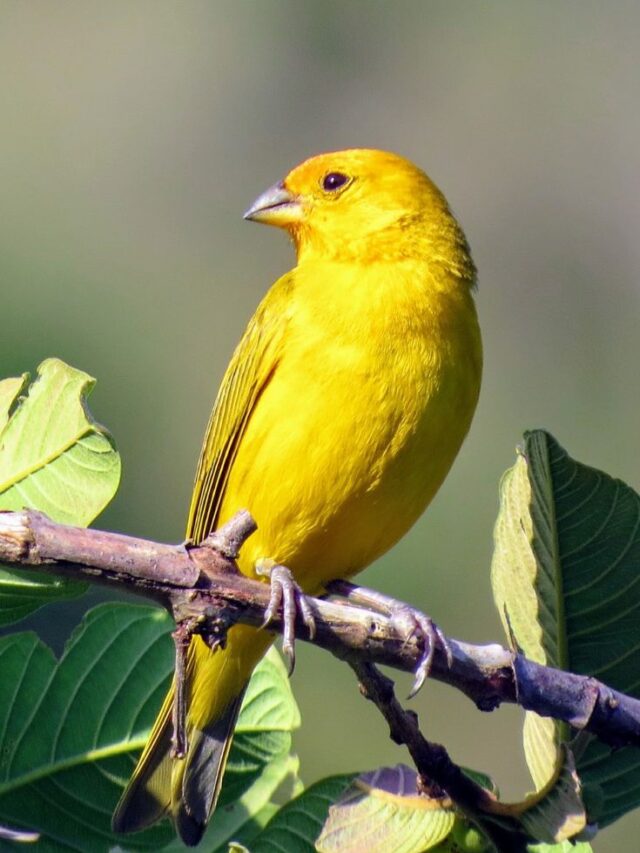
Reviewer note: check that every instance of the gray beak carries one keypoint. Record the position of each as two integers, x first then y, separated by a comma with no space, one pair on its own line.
276,206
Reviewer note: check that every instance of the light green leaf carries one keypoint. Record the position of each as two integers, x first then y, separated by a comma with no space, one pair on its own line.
464,838
10,389
558,815
563,847
55,458
566,582
70,730
383,811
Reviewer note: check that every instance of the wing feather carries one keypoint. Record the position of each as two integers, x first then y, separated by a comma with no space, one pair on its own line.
251,369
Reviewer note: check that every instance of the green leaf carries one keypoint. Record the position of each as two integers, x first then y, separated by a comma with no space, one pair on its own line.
53,455
8,834
464,838
70,730
268,716
566,582
23,592
55,458
563,847
10,390
559,814
382,811
296,825
242,820
67,728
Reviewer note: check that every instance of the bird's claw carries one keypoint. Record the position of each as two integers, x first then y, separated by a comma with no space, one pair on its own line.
421,627
286,595
411,622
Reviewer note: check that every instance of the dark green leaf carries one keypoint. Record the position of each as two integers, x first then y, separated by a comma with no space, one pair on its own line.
23,592
566,581
296,826
70,730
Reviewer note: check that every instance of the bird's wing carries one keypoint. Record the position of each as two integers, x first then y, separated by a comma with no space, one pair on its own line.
251,369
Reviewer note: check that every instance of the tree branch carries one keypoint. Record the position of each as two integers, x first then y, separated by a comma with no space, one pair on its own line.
202,587
438,775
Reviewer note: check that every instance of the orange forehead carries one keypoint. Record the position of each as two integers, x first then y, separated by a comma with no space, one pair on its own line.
354,162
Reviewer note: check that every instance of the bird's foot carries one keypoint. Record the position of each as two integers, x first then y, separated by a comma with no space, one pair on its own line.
286,594
412,622
425,630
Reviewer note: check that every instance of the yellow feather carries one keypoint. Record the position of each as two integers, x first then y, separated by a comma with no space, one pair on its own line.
338,418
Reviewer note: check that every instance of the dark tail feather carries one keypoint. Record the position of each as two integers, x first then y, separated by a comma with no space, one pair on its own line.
195,795
147,797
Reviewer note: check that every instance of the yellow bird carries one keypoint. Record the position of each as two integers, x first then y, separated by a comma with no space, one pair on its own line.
338,418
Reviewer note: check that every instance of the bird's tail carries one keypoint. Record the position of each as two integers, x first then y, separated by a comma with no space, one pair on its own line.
187,789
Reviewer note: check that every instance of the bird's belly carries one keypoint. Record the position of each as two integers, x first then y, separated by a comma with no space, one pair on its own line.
336,471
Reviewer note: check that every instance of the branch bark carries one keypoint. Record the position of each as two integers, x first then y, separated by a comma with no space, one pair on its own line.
438,775
202,586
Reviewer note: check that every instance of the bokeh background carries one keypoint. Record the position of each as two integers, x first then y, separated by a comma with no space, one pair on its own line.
135,134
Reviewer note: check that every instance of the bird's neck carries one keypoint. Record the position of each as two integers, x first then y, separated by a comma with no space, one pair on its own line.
437,244
411,295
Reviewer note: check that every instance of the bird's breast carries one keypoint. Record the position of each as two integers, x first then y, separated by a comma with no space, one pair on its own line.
353,435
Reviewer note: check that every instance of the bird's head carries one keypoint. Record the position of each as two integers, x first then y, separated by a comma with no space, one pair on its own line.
360,203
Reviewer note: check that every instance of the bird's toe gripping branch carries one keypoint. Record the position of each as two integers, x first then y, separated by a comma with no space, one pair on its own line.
286,595
422,627
411,622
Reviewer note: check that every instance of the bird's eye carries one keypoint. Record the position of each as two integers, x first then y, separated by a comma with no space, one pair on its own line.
333,181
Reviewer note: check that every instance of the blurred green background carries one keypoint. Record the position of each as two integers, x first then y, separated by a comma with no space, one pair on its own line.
135,134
